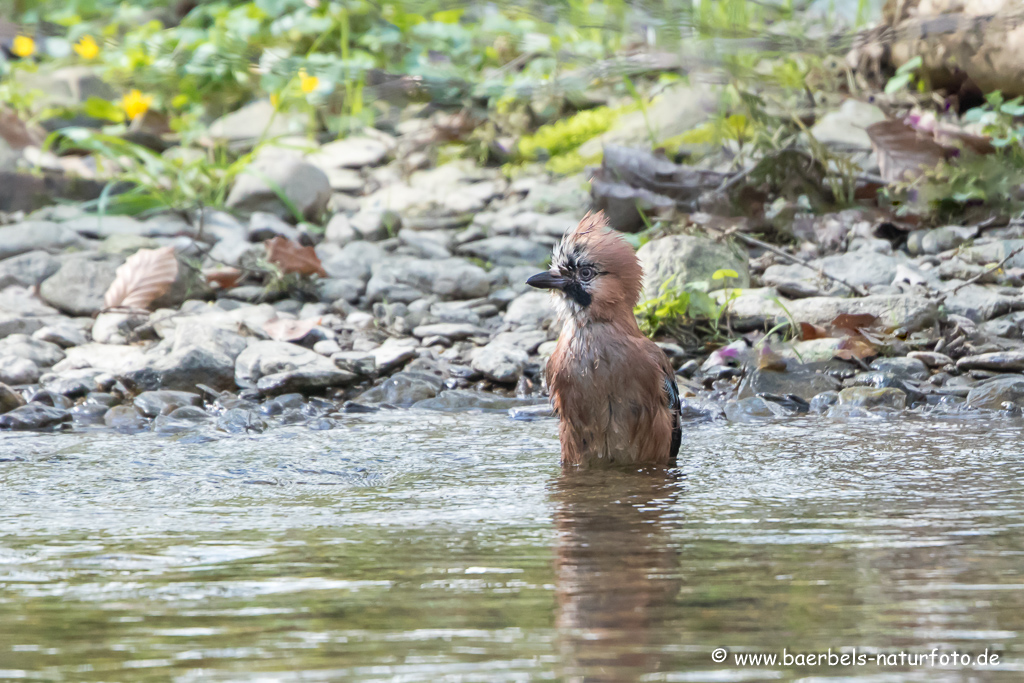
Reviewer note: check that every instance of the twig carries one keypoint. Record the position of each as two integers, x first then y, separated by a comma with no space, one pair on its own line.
796,259
987,272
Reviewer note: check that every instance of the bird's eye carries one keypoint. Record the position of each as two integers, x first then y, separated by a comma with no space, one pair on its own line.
587,273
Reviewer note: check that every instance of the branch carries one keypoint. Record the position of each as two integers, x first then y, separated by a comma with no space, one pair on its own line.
987,272
796,259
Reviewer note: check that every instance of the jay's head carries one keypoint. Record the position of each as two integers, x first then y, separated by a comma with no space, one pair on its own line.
594,272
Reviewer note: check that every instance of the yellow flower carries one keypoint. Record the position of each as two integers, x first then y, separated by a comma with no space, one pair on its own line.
23,46
306,82
275,100
87,48
136,104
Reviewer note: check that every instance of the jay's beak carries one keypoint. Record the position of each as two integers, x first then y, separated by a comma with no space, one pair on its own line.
547,280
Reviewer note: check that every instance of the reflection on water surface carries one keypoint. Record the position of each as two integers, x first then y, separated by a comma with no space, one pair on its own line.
428,547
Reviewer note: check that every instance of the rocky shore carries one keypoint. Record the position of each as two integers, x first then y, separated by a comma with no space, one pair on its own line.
421,301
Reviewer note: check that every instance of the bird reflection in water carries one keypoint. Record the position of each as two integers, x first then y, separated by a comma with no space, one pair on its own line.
617,572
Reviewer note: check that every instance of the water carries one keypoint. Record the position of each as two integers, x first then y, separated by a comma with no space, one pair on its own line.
414,546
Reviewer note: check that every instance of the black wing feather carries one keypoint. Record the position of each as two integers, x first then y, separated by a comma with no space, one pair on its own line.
673,405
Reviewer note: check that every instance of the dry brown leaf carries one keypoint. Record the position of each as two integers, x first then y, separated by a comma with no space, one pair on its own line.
143,278
281,329
902,151
225,278
853,322
855,347
809,332
291,257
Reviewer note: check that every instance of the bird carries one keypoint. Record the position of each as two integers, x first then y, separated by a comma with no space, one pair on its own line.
612,388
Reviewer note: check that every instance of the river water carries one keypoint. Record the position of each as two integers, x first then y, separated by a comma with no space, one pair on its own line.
420,546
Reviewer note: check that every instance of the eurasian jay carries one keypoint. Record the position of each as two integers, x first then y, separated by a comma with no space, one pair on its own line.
613,388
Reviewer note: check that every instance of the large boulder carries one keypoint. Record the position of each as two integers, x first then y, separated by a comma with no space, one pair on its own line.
678,259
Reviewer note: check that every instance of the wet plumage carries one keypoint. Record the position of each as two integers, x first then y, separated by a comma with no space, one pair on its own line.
613,389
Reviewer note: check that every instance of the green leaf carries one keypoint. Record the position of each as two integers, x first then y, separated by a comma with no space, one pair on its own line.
897,83
911,66
103,109
722,273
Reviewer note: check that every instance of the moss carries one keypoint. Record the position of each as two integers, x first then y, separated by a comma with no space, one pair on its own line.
566,135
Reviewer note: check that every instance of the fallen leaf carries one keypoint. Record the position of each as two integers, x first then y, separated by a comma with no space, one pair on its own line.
853,321
855,347
225,278
143,278
281,329
767,359
291,257
902,151
809,332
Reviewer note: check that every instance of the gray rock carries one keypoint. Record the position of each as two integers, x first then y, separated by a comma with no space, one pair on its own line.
15,370
242,128
946,238
28,269
903,368
101,226
78,287
264,226
751,409
74,383
353,261
393,353
9,399
124,419
351,152
279,367
183,370
44,354
449,330
931,359
196,334
164,402
678,259
908,312
431,244
861,268
798,381
35,235
340,289
356,362
870,397
507,251
407,279
116,328
460,400
34,417
980,303
19,324
63,334
372,225
339,230
1000,361
533,309
240,421
997,393
823,401
843,129
500,362
305,185
403,389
